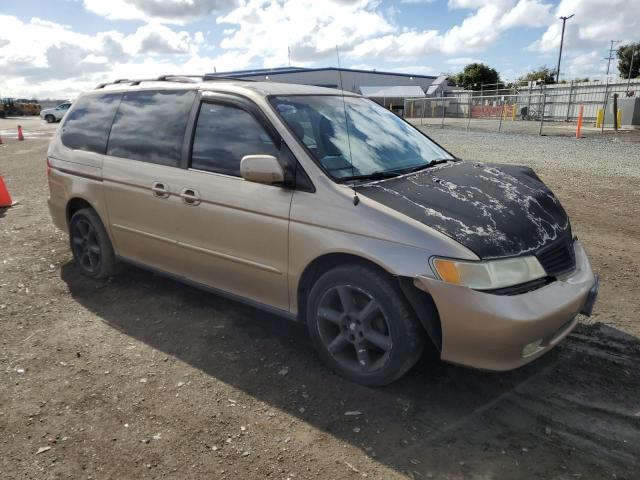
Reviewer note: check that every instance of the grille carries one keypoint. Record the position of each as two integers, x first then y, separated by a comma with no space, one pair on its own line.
559,257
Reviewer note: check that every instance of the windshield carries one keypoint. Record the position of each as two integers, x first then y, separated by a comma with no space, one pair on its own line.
376,142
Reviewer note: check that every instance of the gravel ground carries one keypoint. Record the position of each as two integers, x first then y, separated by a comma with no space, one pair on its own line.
561,129
593,156
142,377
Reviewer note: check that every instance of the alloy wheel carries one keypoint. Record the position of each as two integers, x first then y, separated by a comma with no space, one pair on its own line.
354,329
85,245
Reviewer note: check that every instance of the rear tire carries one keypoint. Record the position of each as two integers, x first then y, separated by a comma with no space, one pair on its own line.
90,244
50,118
362,326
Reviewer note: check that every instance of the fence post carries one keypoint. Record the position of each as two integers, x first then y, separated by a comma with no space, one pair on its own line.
604,106
569,104
544,104
444,110
469,105
424,105
501,116
615,111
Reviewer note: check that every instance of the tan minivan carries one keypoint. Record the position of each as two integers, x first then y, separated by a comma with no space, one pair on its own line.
323,207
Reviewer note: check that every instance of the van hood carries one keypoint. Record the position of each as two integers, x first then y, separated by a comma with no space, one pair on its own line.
494,210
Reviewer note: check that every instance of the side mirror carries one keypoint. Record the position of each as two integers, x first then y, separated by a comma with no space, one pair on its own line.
261,169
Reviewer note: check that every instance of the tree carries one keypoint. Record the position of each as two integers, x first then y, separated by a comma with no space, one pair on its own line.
475,74
624,60
544,73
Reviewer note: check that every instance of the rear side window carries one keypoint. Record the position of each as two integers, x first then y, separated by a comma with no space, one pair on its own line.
150,126
224,135
86,127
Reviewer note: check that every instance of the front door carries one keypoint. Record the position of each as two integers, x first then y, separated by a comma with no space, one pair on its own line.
233,233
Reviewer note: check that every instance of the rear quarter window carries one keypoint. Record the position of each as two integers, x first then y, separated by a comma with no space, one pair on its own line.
87,126
150,126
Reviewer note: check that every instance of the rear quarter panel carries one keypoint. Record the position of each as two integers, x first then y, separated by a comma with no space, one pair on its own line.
74,174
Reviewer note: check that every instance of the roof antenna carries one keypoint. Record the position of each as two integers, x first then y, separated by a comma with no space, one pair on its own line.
356,199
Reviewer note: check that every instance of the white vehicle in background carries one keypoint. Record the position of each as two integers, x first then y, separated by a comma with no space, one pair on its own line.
52,115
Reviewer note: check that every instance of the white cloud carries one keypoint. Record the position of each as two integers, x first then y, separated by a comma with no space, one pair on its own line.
475,33
158,39
36,55
588,33
45,59
595,23
311,29
166,11
528,13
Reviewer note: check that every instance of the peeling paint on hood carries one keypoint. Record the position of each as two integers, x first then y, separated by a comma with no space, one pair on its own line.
494,210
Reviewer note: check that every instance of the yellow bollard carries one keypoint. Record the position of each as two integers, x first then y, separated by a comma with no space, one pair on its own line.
599,117
433,110
411,110
619,118
391,107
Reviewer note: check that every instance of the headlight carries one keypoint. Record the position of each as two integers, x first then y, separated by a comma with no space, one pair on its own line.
488,275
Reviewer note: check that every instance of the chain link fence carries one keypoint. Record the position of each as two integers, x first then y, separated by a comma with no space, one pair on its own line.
533,109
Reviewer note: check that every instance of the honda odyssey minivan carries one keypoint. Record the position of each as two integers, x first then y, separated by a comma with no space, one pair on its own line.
324,207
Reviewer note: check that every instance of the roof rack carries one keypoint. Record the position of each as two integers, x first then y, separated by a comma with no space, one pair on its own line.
171,78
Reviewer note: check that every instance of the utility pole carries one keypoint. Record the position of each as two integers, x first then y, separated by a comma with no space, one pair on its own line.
610,57
564,20
633,54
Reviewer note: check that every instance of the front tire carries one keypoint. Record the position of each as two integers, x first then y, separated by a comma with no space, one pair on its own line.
49,118
90,244
362,326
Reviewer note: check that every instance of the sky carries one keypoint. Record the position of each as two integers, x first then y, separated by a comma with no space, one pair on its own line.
58,48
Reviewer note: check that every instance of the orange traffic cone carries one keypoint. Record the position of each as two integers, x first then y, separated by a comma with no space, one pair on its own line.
5,198
20,135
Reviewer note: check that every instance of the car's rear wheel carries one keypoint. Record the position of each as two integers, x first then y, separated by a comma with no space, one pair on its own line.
50,118
90,244
362,326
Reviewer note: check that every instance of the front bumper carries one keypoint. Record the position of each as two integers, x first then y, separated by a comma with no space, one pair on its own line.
499,332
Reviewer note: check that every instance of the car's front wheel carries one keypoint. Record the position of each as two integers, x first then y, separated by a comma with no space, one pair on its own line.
362,326
50,118
90,244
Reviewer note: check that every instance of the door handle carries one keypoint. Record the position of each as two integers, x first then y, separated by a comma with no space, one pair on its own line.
160,190
190,196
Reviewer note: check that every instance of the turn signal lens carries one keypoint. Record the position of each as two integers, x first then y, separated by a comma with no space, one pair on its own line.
488,275
447,270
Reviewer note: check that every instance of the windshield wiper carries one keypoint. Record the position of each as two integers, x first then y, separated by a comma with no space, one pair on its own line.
432,163
377,175
382,174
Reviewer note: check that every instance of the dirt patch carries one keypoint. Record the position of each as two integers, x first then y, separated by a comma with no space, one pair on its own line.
142,377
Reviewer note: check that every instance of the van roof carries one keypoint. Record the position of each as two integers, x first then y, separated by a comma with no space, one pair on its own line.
220,85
